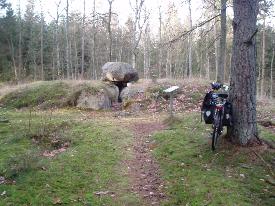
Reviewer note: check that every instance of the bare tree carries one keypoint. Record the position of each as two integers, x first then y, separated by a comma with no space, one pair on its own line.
220,76
271,71
20,64
160,43
190,72
216,43
68,56
83,39
263,57
42,40
109,28
146,53
94,73
57,46
243,72
140,18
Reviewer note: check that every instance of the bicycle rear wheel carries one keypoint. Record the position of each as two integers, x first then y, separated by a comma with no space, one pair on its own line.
215,136
216,130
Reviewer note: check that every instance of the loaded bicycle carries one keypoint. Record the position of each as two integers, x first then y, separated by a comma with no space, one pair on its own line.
216,110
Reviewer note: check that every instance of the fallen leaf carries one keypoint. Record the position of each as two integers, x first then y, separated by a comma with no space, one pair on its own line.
57,200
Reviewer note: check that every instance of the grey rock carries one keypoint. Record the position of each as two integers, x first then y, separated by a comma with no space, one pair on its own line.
102,99
119,72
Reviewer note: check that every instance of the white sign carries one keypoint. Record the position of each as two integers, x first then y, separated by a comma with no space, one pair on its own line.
171,89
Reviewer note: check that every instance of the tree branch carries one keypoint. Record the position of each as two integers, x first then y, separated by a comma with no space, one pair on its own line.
249,40
192,29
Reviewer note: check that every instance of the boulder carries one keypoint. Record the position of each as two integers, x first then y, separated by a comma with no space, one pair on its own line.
101,99
119,72
131,92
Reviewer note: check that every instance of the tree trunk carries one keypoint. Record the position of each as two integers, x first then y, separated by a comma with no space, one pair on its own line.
243,72
146,53
42,42
271,72
13,59
207,66
263,61
20,65
58,64
216,44
190,72
109,28
68,69
76,72
160,44
94,74
220,76
83,40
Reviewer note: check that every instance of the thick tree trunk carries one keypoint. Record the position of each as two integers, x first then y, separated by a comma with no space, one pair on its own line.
243,72
220,76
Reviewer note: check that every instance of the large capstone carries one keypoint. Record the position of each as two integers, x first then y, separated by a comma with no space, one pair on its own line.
119,72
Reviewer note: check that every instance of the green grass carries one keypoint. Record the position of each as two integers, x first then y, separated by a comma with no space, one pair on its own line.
194,175
90,164
47,95
266,134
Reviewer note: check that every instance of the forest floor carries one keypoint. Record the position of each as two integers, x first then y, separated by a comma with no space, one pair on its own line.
79,157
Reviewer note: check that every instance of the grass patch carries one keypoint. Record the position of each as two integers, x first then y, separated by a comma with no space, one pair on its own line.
266,134
195,175
54,94
47,93
89,165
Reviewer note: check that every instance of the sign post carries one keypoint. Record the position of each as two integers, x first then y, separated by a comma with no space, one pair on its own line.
171,91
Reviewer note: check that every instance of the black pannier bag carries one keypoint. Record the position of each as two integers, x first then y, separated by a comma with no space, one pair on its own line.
208,109
227,117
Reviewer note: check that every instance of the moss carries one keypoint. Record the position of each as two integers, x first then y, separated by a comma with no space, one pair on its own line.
47,94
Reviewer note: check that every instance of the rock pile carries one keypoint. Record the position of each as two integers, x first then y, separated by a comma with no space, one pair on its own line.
119,74
115,76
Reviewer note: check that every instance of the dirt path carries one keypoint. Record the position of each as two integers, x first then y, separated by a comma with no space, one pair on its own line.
143,168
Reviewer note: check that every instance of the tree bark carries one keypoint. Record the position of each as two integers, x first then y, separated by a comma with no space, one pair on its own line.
220,76
243,72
